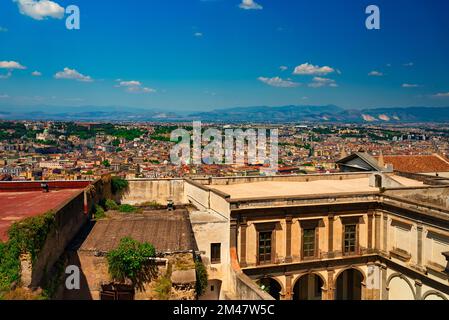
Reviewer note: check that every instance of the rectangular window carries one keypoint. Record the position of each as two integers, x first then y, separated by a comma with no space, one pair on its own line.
265,247
350,238
308,243
215,253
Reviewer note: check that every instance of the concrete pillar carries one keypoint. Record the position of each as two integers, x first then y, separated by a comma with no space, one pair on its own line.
377,217
384,295
370,230
330,285
288,287
243,226
233,234
288,239
330,245
385,233
419,229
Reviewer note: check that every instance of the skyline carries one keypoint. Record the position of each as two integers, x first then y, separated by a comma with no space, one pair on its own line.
212,54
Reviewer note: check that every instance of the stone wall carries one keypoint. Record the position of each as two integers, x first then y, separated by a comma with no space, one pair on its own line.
70,217
159,190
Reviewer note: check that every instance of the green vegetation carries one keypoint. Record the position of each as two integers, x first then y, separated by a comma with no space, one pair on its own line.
152,205
9,265
84,132
99,212
131,261
119,185
162,133
111,205
30,234
201,277
47,142
127,208
53,279
163,288
106,163
26,236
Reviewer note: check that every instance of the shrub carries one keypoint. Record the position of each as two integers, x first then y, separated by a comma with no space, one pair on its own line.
30,234
201,277
131,260
163,288
26,236
126,208
118,185
111,205
99,212
9,265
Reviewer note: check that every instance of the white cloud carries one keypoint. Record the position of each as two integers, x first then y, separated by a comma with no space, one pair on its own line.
72,74
409,64
10,65
250,5
279,82
3,29
6,76
410,85
319,82
40,9
309,69
375,73
283,68
198,34
442,95
36,74
134,86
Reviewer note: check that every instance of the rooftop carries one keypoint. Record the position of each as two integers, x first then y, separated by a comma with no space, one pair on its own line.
417,163
266,189
168,231
16,206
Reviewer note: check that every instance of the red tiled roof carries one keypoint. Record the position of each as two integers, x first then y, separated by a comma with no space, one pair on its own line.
417,163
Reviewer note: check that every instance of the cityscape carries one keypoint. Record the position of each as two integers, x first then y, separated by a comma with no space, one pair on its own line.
235,151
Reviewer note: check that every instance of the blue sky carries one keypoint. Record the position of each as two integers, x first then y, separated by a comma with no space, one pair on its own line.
208,54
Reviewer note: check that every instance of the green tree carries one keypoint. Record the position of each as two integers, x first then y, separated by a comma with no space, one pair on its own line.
132,260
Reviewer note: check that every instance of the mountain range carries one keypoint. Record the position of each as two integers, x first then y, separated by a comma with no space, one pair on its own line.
281,114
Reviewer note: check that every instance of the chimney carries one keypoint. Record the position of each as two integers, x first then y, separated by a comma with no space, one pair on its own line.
380,161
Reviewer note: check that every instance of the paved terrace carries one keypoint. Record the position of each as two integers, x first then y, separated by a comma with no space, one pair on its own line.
19,200
15,206
267,189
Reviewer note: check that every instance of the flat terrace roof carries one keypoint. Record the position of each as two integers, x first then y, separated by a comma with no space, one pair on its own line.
167,231
265,189
15,206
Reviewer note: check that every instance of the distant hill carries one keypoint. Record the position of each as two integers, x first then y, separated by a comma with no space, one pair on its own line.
276,114
281,114
328,113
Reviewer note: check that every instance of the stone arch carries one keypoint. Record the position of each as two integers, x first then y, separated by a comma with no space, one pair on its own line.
345,294
355,268
402,277
277,281
434,293
322,288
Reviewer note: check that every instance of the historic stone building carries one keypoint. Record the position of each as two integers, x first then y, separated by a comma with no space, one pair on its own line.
332,236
